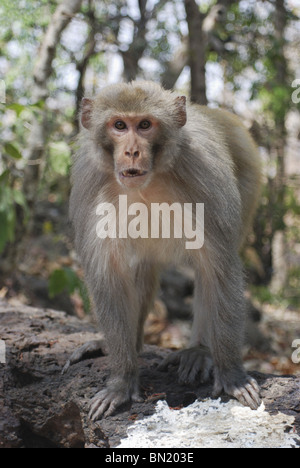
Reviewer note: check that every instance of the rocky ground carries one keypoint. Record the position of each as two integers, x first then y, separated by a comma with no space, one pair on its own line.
40,407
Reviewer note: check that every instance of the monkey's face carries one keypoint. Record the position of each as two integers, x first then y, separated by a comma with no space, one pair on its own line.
133,138
134,128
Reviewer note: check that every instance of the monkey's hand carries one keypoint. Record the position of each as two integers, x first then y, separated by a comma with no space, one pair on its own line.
191,362
118,391
239,385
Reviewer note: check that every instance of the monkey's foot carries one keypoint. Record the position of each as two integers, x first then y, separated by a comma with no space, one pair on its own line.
116,394
239,385
84,351
191,362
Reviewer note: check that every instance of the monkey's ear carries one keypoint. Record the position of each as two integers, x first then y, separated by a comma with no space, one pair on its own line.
180,103
86,110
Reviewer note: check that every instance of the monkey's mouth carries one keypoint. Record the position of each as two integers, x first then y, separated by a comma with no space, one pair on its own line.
133,173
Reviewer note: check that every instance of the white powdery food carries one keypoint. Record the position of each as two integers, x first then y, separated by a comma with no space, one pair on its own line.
212,424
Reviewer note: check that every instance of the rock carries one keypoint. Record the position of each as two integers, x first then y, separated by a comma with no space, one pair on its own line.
41,408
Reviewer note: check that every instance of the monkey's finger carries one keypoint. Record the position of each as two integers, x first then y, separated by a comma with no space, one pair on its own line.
99,401
98,408
254,384
111,409
172,360
189,368
98,413
254,391
244,397
217,389
206,370
66,367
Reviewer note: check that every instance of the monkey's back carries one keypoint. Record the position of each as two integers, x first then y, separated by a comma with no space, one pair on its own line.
245,156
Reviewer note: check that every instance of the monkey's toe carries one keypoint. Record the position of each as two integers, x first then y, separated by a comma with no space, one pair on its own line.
104,404
192,362
87,350
108,400
245,390
248,395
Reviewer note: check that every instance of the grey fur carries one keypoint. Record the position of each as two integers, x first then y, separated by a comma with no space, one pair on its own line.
193,164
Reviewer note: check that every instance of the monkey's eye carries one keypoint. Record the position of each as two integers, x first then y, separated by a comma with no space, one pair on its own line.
120,125
145,124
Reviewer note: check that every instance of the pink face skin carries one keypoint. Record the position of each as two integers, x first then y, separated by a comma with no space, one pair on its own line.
133,137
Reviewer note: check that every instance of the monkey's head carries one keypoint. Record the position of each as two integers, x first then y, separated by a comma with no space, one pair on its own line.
134,128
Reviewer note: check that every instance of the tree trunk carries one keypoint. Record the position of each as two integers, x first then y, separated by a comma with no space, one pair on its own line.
136,49
197,52
280,268
174,67
81,67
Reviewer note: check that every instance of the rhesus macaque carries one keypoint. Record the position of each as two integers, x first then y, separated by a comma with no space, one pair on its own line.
149,144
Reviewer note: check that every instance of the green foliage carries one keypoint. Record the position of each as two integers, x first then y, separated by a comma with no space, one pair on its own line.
10,198
262,294
12,151
261,49
14,212
288,296
60,157
291,201
66,279
28,12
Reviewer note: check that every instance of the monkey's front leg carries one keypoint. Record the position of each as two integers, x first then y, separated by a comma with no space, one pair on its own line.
117,312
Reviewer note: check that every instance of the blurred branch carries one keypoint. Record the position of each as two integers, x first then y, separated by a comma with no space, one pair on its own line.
192,51
90,50
42,72
197,51
43,67
136,49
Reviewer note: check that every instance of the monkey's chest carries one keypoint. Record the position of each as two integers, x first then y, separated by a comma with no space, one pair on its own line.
161,250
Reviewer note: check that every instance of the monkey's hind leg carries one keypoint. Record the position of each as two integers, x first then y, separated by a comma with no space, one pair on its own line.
223,314
195,363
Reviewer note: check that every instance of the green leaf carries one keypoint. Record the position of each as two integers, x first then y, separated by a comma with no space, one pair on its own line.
57,283
7,231
84,296
19,198
67,279
38,105
18,108
5,198
11,224
12,151
4,177
71,279
60,157
62,279
3,231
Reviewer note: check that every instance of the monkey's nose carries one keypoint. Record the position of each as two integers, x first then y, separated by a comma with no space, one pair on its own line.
133,154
